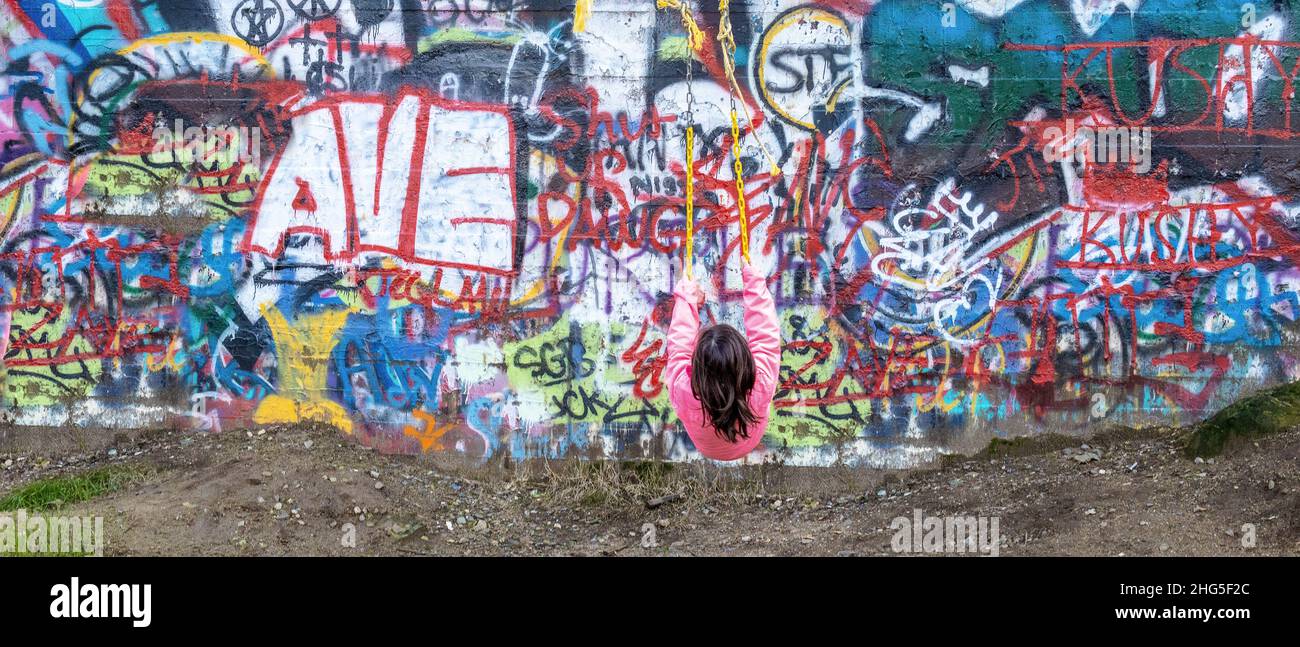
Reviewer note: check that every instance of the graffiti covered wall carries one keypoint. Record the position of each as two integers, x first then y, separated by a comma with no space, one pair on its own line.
454,225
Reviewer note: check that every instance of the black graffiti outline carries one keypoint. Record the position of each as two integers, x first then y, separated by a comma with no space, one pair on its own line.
255,32
320,9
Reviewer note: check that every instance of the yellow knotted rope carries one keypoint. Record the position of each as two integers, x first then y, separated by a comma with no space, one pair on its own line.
728,40
694,36
581,12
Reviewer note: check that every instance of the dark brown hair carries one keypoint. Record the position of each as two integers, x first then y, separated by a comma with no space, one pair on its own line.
722,375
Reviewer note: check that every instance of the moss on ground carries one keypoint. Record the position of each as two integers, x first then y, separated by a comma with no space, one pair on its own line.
1266,412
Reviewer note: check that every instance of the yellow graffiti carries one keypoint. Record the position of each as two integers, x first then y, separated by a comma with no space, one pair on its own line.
172,358
302,357
942,396
581,13
801,18
201,37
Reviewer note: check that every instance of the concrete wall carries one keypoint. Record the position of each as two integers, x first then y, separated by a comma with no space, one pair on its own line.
451,225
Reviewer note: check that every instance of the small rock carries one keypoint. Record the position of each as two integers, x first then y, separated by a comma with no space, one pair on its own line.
374,474
379,485
356,510
279,506
481,526
1164,547
1198,460
308,444
1090,511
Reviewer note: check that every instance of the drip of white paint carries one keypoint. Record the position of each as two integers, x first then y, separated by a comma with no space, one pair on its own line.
1157,92
989,8
1090,15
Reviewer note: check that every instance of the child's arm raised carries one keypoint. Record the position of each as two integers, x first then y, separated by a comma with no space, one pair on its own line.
763,331
687,298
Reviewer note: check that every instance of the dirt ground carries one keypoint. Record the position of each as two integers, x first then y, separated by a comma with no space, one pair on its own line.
294,491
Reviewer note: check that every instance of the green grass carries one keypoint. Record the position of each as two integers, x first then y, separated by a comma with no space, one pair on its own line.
1265,412
63,490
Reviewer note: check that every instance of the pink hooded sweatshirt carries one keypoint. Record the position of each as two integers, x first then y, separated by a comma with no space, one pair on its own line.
764,335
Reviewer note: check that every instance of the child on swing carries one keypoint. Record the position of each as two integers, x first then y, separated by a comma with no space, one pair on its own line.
720,384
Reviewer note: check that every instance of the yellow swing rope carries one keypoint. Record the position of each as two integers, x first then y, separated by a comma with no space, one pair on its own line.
694,41
740,186
728,41
694,36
